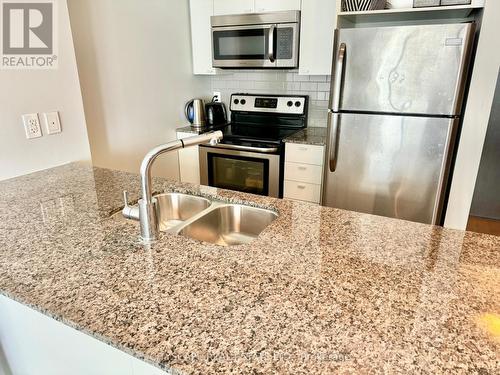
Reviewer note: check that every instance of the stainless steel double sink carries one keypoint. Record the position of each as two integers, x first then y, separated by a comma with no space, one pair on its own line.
221,223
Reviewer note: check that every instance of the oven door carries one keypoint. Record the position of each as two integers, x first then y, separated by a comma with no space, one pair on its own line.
249,172
263,46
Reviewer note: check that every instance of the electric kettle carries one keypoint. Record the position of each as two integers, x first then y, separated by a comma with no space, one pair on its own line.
195,113
216,113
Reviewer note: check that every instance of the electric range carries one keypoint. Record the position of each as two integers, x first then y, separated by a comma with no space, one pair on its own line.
250,157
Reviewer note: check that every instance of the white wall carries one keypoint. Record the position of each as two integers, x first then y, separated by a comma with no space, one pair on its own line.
134,61
476,119
29,91
33,344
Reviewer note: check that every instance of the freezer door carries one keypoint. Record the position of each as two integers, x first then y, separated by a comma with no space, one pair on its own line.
393,166
408,69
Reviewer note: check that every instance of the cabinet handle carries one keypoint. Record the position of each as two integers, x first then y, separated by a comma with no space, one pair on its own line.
303,148
301,187
302,168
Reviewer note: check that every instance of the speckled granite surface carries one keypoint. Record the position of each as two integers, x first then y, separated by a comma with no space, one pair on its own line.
321,291
310,136
189,129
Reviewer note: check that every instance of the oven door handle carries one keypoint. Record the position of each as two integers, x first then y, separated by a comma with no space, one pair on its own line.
263,150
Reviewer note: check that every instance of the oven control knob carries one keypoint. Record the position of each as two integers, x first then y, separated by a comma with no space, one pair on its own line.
297,104
243,102
289,103
236,101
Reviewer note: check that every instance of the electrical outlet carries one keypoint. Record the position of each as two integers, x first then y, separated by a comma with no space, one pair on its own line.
32,126
52,123
217,97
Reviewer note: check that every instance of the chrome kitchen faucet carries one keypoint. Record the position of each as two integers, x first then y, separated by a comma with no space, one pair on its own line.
146,211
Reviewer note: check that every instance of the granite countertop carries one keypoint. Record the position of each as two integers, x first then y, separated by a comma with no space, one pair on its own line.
190,129
310,136
320,291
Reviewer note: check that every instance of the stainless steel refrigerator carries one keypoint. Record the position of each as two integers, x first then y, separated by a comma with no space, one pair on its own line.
395,105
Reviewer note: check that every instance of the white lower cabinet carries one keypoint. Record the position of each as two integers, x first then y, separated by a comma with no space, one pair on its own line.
302,191
31,343
189,161
303,172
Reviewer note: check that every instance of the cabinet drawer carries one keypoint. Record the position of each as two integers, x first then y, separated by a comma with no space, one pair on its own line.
302,191
307,154
303,173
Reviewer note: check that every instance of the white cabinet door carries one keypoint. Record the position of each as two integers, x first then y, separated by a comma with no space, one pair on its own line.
201,39
222,7
277,5
304,154
302,191
189,161
318,22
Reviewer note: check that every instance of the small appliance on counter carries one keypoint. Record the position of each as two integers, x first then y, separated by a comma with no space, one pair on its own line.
195,113
216,113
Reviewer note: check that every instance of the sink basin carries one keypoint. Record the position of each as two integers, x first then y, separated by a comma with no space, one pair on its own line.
229,225
174,209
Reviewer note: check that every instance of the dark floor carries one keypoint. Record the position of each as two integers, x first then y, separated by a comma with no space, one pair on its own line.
482,225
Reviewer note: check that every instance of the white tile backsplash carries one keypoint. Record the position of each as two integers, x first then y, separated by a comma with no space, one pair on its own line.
273,82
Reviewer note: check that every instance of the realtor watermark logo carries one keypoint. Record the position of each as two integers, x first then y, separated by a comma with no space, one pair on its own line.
28,34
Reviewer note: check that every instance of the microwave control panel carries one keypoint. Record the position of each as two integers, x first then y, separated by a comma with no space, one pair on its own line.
284,43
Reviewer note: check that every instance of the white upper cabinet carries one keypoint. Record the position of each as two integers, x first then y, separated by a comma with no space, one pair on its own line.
277,5
201,35
318,23
222,7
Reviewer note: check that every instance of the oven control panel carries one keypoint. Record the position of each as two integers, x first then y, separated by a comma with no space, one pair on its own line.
296,105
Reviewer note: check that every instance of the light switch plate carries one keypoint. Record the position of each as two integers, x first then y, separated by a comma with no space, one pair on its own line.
32,125
52,123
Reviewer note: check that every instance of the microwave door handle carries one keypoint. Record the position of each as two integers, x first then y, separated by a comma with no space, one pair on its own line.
270,43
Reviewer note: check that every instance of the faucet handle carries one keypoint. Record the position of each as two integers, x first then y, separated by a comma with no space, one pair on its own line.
129,212
125,198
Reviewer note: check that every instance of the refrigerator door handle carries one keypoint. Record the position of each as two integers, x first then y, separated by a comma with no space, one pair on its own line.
333,131
338,78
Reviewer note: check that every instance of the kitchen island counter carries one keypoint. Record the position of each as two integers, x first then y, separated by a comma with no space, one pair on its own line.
320,291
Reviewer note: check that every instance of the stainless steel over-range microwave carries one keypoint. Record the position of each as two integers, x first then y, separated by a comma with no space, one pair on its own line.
256,40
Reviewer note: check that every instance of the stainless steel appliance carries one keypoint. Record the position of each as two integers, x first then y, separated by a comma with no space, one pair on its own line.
195,113
257,40
395,108
251,156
